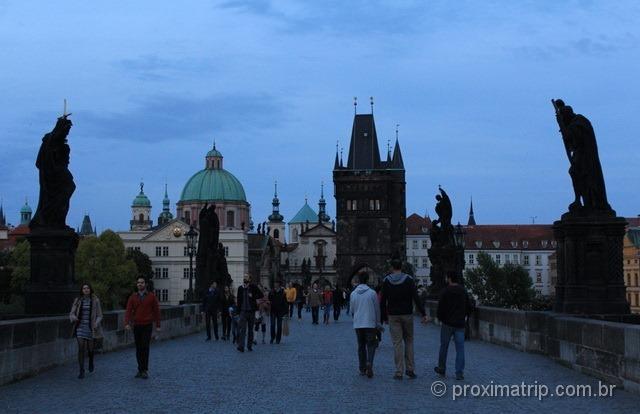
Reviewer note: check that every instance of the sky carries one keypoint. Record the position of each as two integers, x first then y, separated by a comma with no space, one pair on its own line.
151,85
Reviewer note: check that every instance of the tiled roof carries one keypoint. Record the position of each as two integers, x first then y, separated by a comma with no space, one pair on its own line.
305,214
510,237
417,225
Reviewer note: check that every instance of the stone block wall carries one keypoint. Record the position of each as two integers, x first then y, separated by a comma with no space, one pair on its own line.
29,346
600,348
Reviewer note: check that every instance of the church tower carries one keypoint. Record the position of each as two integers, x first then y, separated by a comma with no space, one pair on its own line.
141,212
166,215
370,204
25,214
323,217
276,220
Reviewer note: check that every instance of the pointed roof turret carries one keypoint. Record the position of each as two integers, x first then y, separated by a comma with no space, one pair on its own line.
87,228
305,214
364,153
275,215
472,220
166,215
3,219
397,161
322,204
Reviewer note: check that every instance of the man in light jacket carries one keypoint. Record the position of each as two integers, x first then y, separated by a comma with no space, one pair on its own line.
365,311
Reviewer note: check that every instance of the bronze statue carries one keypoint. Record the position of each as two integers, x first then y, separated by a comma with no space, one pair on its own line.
582,150
208,241
56,181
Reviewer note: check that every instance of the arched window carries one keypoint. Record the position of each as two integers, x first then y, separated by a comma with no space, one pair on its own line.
231,219
141,217
276,234
294,237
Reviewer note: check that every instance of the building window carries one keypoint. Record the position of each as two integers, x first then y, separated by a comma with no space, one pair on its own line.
414,245
415,262
226,251
425,244
276,234
348,205
165,250
185,251
498,260
165,273
354,205
184,294
231,217
538,277
378,205
157,272
507,259
526,260
515,259
538,260
185,273
372,205
158,251
187,217
636,279
162,295
294,237
471,259
425,262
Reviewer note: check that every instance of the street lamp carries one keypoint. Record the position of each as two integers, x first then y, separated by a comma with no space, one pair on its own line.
192,240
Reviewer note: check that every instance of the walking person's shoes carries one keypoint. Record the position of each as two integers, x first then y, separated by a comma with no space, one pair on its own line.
138,375
91,367
144,375
459,376
397,376
439,371
411,374
369,371
249,348
241,349
81,375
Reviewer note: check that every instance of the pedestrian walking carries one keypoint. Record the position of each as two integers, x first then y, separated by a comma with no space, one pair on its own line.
143,310
291,295
300,300
210,306
365,311
398,295
327,301
338,301
279,309
247,297
262,314
226,302
86,315
314,301
454,306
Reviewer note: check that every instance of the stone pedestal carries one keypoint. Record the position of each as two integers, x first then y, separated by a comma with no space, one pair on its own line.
52,286
443,261
589,255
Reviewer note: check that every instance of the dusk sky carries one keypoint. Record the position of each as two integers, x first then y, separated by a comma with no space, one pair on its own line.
151,85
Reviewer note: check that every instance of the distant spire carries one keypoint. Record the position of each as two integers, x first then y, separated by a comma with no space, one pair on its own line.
472,220
355,105
388,152
336,164
371,101
275,215
322,205
397,161
341,163
3,219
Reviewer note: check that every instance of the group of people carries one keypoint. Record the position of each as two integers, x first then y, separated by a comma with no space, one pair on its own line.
249,310
394,305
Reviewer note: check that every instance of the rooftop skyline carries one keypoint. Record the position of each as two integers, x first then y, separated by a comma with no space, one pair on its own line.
151,85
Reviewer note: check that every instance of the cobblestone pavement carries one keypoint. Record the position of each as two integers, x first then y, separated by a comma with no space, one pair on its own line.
314,370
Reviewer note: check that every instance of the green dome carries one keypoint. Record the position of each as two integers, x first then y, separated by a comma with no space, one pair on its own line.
214,153
213,185
141,199
26,208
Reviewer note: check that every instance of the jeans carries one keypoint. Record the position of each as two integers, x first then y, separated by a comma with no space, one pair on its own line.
401,330
142,338
446,332
327,313
276,328
246,322
367,344
336,312
209,317
315,313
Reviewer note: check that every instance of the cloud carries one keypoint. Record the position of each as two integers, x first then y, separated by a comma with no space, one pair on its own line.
156,68
167,117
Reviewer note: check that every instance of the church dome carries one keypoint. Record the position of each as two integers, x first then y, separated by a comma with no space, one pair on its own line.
26,208
213,183
141,199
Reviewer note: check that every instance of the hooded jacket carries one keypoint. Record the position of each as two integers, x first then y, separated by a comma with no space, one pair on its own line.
398,293
365,308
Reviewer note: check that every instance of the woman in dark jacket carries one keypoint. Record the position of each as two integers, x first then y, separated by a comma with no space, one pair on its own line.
226,301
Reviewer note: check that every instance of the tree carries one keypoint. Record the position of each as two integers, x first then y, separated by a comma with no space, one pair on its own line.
508,286
20,262
102,262
143,263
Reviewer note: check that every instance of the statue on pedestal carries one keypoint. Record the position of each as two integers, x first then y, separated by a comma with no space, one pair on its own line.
208,240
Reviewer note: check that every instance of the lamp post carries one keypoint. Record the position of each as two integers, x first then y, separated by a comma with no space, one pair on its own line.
192,239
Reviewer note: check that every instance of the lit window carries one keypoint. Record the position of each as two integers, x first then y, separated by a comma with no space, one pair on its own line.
372,205
377,204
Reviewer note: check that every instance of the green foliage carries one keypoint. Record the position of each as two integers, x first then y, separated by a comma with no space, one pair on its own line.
143,263
102,262
20,262
508,286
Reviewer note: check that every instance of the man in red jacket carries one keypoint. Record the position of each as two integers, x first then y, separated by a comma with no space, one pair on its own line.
143,310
